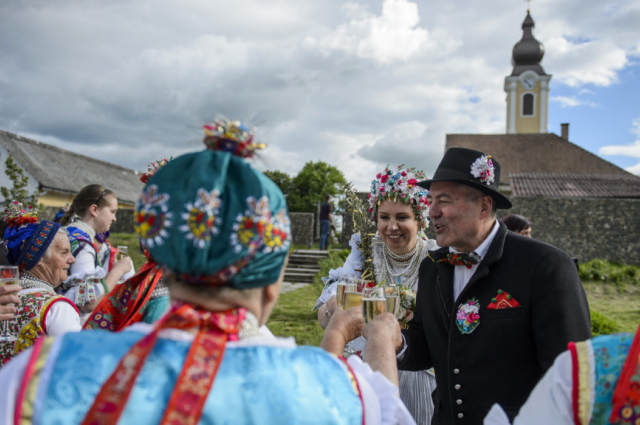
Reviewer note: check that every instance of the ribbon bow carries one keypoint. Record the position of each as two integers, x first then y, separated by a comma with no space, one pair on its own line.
192,387
467,259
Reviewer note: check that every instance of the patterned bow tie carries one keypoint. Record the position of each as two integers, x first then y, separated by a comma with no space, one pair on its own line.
467,259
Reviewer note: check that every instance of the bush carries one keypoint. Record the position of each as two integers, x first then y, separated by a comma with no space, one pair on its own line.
605,271
336,259
602,325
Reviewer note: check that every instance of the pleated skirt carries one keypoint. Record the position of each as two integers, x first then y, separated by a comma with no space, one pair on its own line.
415,392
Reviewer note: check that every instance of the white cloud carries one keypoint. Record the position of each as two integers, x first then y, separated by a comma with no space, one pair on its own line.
392,36
632,150
571,101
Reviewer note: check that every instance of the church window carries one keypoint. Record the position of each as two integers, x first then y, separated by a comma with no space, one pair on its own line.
527,104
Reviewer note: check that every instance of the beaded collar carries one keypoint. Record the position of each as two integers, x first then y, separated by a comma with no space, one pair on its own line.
28,281
394,268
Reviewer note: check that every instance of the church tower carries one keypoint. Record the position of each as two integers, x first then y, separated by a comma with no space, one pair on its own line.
527,87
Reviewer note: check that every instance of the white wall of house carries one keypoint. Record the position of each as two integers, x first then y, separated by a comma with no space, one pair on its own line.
32,186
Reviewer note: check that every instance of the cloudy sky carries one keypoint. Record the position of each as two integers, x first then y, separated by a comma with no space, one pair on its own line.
358,84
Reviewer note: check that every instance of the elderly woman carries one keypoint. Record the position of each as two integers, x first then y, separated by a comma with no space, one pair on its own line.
42,253
400,211
92,211
221,230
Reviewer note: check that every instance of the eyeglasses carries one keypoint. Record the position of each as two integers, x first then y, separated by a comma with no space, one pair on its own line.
100,197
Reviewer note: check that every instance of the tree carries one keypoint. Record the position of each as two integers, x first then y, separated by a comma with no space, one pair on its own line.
313,183
282,180
18,191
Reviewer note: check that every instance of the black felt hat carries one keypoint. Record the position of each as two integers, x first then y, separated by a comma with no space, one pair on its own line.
459,166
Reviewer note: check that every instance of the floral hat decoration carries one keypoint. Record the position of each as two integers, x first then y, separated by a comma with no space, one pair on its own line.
153,167
26,240
400,185
211,219
472,168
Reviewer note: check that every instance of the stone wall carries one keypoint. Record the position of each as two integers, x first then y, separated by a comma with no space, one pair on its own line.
302,226
586,229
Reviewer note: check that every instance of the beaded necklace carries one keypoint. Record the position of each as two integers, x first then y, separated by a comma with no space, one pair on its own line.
402,268
28,281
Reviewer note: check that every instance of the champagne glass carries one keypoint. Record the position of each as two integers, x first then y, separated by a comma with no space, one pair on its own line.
121,252
392,295
9,275
352,296
374,302
345,279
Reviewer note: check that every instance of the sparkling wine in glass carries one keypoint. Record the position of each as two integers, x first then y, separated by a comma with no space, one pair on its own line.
352,296
121,252
374,302
392,295
9,275
345,279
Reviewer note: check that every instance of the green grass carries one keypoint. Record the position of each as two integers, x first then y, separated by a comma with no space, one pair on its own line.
292,316
620,303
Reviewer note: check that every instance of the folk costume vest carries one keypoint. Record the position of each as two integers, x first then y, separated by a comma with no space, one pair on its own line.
608,362
29,323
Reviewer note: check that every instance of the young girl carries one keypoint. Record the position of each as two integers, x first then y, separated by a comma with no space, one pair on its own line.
93,211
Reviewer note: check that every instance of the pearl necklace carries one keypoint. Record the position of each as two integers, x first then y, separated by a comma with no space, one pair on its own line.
28,281
404,266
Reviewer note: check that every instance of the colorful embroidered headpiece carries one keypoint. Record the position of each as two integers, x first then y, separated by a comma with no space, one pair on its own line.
153,167
231,136
25,240
212,219
400,185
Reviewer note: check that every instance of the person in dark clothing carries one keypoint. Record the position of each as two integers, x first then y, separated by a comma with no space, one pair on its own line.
493,309
326,221
519,224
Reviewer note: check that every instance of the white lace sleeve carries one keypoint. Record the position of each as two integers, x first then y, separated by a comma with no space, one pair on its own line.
382,404
353,264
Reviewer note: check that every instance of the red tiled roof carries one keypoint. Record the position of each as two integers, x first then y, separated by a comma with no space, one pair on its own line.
535,153
575,185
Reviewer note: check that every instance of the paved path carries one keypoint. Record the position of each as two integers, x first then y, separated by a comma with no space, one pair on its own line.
288,286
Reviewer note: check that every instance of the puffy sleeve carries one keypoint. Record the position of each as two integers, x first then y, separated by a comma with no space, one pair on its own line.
382,404
61,318
84,268
353,264
550,401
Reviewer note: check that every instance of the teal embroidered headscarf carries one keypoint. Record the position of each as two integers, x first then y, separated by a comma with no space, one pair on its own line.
212,219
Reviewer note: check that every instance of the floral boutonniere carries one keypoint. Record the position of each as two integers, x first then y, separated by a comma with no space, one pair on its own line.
467,317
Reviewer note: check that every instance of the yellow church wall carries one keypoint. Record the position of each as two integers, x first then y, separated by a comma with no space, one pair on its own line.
529,124
59,200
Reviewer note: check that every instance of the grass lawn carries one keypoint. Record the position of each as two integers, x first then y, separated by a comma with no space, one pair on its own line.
618,302
292,316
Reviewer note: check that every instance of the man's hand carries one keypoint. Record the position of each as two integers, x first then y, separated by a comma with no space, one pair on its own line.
8,295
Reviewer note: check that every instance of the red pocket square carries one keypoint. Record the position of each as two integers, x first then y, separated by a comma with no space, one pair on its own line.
502,300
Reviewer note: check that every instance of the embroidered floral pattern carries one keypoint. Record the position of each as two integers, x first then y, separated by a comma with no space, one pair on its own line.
482,169
201,219
400,185
277,233
467,317
152,216
250,227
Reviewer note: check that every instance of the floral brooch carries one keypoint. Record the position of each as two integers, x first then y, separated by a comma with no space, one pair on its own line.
482,169
467,317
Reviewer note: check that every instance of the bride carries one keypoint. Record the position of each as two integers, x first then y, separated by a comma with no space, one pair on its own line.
400,211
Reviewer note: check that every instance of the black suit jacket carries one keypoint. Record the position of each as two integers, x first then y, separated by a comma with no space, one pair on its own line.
505,356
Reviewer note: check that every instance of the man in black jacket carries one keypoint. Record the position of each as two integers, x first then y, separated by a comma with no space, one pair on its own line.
494,308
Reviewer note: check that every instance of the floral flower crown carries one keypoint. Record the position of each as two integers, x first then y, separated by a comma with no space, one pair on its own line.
153,168
231,136
400,185
15,214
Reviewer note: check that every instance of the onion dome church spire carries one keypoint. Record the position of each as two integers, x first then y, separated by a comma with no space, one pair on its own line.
528,52
527,87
